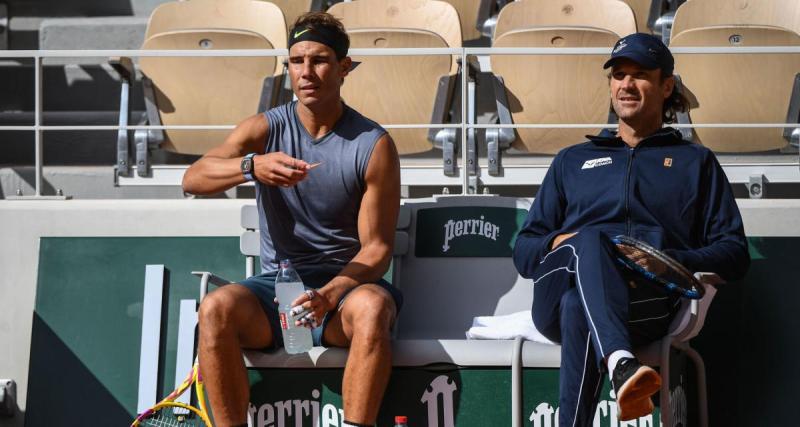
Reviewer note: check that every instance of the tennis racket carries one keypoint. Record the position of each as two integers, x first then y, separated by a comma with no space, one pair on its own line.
168,412
666,272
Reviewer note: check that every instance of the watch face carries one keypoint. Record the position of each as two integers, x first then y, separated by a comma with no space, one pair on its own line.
247,165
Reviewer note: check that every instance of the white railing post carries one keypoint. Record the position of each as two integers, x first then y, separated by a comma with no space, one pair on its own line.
464,170
37,123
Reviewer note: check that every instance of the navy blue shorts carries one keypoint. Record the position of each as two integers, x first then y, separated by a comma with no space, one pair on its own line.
263,286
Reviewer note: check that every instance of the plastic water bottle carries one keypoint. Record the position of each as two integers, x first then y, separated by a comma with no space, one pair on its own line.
400,421
288,286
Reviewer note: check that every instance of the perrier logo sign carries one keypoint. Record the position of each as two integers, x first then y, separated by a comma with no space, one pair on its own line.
465,227
470,231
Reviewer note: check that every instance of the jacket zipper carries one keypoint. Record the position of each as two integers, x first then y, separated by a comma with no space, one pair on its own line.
631,152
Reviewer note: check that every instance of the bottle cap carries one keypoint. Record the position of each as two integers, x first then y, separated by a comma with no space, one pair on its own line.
285,263
400,419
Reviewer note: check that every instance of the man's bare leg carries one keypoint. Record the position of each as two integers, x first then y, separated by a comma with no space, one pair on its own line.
230,318
363,323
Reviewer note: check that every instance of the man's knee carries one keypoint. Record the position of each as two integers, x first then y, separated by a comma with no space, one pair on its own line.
548,326
219,309
370,311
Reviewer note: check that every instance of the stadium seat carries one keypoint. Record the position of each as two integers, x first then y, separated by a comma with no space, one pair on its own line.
561,89
225,92
568,89
605,14
471,14
708,13
641,11
468,11
436,16
467,269
292,9
404,89
374,72
740,88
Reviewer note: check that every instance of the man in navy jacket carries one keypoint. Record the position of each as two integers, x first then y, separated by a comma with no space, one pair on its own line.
645,181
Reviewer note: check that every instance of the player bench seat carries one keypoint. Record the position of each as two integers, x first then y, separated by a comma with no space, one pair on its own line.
452,260
420,352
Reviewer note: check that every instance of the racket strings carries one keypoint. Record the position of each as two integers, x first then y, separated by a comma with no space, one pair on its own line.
660,268
169,413
675,277
166,417
674,272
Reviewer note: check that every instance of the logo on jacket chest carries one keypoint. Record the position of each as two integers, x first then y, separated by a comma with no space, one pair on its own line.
589,164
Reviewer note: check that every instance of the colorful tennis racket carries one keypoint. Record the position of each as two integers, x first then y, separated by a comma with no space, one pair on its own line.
667,272
169,413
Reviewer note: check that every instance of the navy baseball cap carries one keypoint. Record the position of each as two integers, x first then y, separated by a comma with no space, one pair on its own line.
644,49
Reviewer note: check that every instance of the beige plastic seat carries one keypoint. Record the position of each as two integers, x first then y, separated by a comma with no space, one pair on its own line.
468,15
205,90
226,92
611,15
432,15
739,88
559,89
554,89
404,89
471,13
707,13
229,89
375,85
292,9
641,11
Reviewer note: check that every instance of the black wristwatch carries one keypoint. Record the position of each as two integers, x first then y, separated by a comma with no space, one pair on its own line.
247,167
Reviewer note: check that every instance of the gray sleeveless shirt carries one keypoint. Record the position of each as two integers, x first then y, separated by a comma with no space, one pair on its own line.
316,221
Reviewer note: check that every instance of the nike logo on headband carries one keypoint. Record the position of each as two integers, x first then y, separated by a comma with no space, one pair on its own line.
298,34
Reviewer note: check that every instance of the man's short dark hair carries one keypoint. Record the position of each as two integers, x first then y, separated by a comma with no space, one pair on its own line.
328,24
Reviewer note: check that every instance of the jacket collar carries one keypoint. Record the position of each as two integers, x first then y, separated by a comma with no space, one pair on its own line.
663,136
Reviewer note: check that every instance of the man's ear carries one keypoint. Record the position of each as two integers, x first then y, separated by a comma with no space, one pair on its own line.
669,86
345,65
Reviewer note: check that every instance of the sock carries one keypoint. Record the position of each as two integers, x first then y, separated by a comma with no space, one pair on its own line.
346,423
614,358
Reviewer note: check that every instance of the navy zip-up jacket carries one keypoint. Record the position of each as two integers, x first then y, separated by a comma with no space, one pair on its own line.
668,192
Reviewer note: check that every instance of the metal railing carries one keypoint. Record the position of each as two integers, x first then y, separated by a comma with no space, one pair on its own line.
781,171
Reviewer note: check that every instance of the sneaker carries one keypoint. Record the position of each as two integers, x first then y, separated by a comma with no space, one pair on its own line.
633,384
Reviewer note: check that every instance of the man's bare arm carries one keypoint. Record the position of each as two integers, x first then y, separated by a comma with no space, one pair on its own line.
377,221
220,168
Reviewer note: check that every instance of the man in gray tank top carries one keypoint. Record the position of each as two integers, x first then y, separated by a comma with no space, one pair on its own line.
328,190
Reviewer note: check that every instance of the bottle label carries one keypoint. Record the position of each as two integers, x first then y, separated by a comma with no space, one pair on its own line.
284,324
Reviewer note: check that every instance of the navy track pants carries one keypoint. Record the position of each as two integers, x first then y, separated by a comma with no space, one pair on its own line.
585,300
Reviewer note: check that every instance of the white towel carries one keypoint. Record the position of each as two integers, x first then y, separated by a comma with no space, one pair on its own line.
506,327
